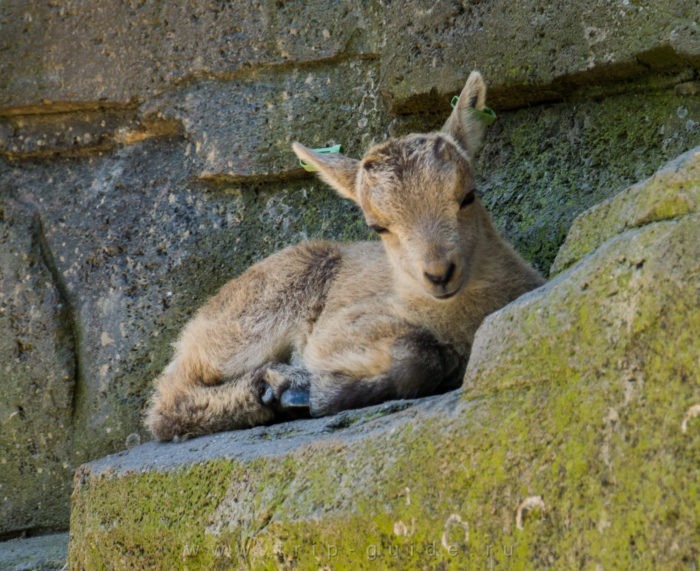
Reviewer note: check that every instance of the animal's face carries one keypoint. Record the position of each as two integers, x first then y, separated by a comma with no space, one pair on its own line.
417,193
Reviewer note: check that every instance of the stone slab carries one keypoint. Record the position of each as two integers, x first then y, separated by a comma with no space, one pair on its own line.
41,553
122,52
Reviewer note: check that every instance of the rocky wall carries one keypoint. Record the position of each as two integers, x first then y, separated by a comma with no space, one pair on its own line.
144,160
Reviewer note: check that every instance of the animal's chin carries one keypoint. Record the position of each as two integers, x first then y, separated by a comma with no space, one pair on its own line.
442,296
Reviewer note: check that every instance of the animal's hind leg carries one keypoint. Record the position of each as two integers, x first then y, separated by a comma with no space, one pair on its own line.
214,381
255,318
273,391
179,411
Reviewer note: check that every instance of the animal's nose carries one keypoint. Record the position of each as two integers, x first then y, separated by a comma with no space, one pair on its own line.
439,274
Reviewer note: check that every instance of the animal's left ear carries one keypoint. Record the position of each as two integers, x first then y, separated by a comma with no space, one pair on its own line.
336,170
464,124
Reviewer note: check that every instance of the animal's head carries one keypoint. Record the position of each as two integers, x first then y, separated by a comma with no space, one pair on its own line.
418,194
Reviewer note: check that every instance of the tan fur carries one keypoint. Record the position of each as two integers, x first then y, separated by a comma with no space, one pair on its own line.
354,324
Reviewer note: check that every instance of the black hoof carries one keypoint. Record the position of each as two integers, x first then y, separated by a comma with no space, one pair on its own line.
294,398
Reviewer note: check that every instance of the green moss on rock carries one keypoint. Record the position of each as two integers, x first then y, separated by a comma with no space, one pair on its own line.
542,167
170,530
671,192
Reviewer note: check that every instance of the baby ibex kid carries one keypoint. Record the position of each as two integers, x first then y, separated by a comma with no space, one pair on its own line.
324,326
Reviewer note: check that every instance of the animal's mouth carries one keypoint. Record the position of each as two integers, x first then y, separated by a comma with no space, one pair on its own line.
447,291
446,295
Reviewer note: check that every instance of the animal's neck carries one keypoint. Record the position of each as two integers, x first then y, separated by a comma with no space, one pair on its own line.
494,262
497,276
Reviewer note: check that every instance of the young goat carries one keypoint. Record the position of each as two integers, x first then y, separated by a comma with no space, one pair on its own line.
322,326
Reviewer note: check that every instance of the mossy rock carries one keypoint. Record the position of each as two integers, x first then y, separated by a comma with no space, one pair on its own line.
542,167
671,192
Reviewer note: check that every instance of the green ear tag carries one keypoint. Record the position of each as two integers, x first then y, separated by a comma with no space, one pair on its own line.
323,150
485,115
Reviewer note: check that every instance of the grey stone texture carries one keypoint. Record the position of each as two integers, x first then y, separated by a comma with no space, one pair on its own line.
41,553
534,50
37,352
81,51
145,160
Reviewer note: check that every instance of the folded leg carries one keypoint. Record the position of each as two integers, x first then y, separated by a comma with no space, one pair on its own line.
418,366
182,411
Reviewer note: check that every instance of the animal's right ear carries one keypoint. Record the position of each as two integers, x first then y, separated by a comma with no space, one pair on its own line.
464,124
336,170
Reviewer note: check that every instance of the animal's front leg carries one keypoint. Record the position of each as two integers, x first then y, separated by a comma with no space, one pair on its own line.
286,387
418,366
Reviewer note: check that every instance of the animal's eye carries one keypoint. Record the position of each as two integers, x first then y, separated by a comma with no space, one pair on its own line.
467,200
379,229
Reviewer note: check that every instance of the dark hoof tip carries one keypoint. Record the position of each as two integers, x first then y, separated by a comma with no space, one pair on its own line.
268,395
295,398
